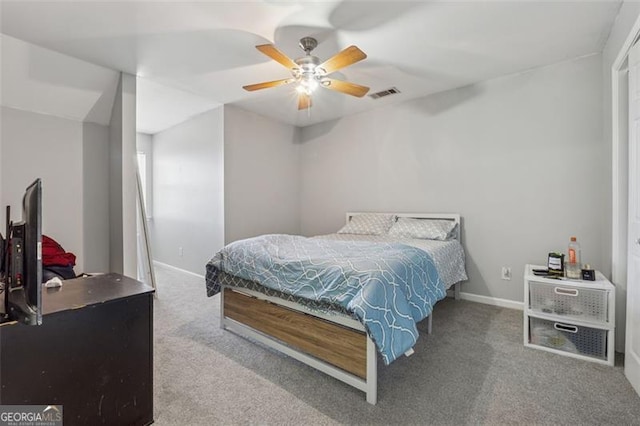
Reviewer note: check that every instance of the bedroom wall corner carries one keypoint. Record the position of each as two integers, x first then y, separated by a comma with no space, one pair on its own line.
55,117
261,174
50,148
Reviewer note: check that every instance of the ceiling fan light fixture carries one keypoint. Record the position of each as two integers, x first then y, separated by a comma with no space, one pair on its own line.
309,73
308,84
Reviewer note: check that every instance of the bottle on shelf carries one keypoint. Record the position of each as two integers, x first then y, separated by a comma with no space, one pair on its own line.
573,265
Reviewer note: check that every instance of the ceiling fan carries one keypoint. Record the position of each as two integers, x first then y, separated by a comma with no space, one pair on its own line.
309,73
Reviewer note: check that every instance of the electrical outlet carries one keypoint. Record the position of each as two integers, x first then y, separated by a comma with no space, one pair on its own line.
180,251
506,273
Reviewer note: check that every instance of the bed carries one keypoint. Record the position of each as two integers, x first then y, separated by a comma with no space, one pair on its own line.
337,334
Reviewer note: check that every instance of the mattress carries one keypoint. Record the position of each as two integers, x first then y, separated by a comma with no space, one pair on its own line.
229,280
448,256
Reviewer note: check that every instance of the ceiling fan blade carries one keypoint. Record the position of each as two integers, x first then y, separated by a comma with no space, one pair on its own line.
267,84
271,51
304,101
345,87
347,57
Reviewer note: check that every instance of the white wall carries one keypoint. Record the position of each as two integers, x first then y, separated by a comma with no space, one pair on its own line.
519,157
116,255
52,95
262,175
144,144
42,146
123,254
615,157
129,182
95,164
188,184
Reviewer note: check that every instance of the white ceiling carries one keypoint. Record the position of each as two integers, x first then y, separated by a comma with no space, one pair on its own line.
40,80
207,47
160,107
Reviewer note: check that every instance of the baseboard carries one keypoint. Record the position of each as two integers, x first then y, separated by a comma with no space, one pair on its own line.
495,301
175,268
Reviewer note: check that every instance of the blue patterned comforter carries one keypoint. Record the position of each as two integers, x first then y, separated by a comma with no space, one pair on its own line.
389,287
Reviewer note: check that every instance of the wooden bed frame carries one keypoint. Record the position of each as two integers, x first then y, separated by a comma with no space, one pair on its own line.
333,343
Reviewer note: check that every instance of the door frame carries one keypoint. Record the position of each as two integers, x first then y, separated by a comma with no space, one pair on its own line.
620,179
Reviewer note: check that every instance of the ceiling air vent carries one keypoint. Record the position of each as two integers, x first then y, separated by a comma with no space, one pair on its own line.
384,93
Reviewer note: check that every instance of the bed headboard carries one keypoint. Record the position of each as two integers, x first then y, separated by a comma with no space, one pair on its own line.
442,216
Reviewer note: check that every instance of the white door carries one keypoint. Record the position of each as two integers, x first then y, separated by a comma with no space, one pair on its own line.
632,341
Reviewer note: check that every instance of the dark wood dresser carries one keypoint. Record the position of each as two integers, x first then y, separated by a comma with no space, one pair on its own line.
93,353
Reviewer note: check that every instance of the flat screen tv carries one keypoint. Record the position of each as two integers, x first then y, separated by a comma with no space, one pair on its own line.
22,261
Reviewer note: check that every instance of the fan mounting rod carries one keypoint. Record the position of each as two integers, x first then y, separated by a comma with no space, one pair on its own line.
308,44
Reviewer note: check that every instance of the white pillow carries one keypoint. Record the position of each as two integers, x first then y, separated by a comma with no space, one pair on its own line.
428,229
368,224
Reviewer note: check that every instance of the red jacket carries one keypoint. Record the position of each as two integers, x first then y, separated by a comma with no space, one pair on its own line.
54,255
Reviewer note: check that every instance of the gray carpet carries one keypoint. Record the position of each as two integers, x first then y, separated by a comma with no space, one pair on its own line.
473,369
